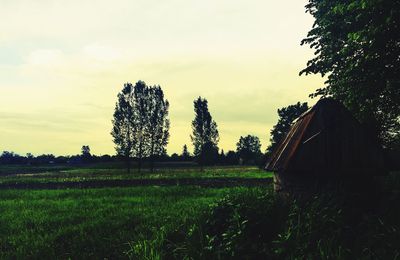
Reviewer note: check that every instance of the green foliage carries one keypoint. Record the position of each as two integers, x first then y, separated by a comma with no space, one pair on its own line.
141,124
205,135
233,228
253,224
243,225
286,117
357,45
248,148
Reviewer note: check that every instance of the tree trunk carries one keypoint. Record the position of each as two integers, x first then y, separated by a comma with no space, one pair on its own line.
151,163
128,164
152,156
201,161
140,155
140,165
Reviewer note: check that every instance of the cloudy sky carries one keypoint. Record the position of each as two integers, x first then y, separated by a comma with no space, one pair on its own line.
62,64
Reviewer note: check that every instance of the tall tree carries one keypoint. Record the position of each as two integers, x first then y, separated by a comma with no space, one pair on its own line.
185,153
158,123
205,135
357,45
140,120
124,125
248,148
286,117
141,124
85,152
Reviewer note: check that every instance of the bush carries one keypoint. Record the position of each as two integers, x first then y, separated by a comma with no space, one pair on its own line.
252,223
242,225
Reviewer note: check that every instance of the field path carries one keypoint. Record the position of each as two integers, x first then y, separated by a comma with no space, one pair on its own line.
203,182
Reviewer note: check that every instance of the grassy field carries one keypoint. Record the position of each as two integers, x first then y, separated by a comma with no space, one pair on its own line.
94,222
191,222
66,173
105,222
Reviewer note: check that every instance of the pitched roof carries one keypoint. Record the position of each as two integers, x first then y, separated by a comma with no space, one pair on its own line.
327,139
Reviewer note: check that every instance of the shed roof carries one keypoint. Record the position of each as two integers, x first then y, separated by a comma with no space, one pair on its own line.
327,139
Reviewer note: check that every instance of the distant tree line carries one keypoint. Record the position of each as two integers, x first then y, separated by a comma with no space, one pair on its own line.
7,157
221,158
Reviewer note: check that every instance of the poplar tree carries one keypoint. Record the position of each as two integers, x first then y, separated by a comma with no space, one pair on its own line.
205,135
141,124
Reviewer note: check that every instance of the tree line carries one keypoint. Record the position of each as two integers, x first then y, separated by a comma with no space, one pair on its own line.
141,130
141,133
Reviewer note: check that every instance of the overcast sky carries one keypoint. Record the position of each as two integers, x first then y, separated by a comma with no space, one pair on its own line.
62,64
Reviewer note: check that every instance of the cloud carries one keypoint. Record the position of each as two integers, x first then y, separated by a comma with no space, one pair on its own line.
101,52
49,57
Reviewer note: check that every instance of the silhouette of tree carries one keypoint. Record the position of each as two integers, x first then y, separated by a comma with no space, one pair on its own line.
222,157
10,158
185,153
286,117
175,157
158,123
85,151
141,124
248,148
205,135
209,154
124,129
231,158
357,46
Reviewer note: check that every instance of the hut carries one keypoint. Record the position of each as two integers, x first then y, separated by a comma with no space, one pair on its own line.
325,143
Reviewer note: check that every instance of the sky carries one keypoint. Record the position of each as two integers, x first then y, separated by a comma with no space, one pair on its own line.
62,64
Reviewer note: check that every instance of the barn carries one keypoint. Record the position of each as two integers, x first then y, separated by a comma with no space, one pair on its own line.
326,142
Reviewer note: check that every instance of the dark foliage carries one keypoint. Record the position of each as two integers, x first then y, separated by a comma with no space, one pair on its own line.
231,158
85,153
286,117
357,45
205,135
253,224
185,153
140,123
244,225
248,149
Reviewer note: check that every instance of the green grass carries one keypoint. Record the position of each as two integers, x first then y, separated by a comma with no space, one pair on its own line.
189,222
81,174
94,223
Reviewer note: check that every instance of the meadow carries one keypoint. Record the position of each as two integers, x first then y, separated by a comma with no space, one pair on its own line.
190,221
85,223
110,222
108,172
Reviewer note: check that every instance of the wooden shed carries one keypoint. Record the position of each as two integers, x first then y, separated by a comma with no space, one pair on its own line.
324,143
